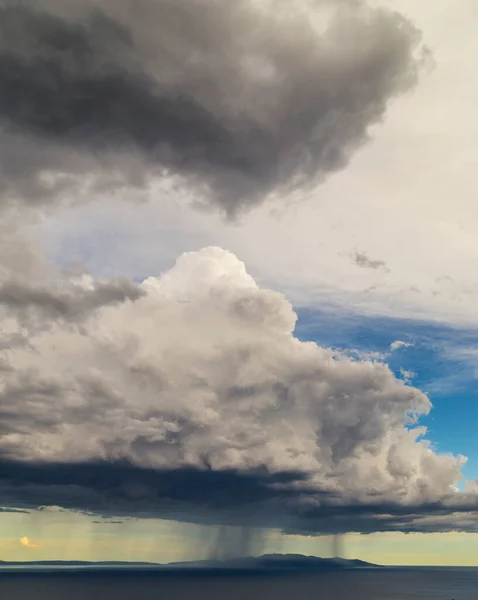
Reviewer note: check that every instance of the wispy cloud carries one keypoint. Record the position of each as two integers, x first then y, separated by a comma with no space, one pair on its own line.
26,543
407,374
398,344
362,260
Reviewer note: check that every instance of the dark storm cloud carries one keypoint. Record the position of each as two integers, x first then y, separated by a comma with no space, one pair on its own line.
122,489
237,99
226,498
431,517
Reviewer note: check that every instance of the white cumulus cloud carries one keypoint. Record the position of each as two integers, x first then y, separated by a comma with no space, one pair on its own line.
204,371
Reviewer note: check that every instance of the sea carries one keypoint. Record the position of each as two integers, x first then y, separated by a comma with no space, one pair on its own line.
125,584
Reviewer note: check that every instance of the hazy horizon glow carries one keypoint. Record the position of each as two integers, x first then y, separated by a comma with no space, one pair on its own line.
72,536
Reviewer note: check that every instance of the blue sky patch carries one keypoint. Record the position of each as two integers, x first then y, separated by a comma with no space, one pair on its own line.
440,360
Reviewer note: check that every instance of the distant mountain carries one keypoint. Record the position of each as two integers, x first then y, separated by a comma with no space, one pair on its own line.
267,562
278,562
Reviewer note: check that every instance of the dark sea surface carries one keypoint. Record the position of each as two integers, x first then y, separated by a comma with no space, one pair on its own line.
380,584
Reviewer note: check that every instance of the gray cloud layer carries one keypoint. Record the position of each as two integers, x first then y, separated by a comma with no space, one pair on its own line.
72,303
251,499
237,99
196,402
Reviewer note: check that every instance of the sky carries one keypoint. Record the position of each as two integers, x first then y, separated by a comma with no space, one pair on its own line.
237,280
